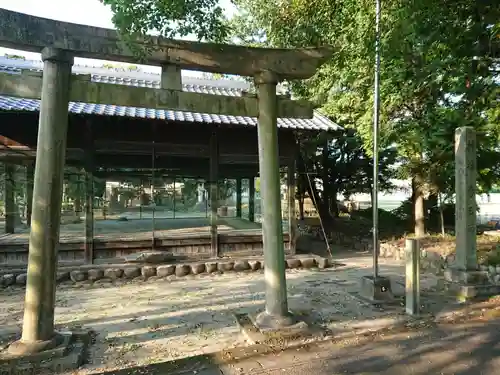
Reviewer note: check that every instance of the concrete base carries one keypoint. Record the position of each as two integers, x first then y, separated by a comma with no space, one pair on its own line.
469,285
69,353
376,290
23,348
268,323
258,329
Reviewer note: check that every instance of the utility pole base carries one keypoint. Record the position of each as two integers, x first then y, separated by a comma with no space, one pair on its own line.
376,289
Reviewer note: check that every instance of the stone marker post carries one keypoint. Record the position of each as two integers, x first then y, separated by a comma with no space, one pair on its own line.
465,205
463,276
276,313
38,326
412,282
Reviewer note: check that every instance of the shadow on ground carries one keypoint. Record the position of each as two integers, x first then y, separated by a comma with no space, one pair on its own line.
461,349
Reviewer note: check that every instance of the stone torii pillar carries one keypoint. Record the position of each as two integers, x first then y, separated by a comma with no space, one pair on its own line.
276,313
38,326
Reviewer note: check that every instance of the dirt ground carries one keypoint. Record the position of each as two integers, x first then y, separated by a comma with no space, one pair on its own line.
139,323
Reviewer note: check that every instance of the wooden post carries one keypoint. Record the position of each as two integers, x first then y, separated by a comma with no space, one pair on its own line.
214,193
89,195
251,199
175,194
238,197
153,178
10,198
412,284
30,179
292,215
38,325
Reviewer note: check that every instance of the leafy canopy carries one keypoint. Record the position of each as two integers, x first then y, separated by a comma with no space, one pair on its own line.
203,19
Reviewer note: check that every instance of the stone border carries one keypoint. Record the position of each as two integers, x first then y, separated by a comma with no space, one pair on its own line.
433,261
144,272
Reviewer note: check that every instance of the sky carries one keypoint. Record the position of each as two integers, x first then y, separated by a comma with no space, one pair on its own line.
88,12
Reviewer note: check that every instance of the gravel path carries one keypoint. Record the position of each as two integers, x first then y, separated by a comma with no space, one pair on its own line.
139,323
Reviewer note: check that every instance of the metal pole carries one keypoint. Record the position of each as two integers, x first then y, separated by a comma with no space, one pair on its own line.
153,157
376,111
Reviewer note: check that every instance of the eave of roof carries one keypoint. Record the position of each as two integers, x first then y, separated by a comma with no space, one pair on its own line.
142,79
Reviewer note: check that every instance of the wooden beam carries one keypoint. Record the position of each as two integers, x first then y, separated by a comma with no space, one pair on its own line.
214,193
29,85
31,33
20,154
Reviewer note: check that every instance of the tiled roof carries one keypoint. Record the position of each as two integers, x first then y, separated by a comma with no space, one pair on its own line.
143,79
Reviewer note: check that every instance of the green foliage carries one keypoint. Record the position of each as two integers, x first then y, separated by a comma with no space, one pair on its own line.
438,73
337,163
14,57
170,18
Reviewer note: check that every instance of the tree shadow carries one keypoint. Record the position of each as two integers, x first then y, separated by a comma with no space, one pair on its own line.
465,349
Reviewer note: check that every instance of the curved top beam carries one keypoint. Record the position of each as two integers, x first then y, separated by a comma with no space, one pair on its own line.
30,33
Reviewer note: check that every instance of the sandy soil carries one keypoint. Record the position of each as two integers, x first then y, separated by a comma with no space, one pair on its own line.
143,322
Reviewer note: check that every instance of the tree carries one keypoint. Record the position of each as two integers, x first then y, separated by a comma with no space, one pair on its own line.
438,73
202,19
333,164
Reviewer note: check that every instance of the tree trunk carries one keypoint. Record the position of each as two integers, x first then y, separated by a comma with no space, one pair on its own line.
419,207
301,206
77,205
320,203
441,215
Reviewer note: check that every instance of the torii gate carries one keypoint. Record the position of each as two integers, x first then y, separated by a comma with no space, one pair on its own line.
59,42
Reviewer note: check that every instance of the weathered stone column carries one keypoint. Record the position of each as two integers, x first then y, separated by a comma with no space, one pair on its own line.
464,277
38,328
10,198
214,193
276,313
251,199
465,204
30,180
292,215
238,197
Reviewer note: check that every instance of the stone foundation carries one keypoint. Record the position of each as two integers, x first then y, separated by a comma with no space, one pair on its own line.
148,271
433,261
69,355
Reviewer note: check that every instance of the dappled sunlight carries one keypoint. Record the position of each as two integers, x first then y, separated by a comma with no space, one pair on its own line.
146,322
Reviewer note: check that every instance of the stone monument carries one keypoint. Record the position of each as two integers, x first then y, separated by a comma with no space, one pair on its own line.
463,277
